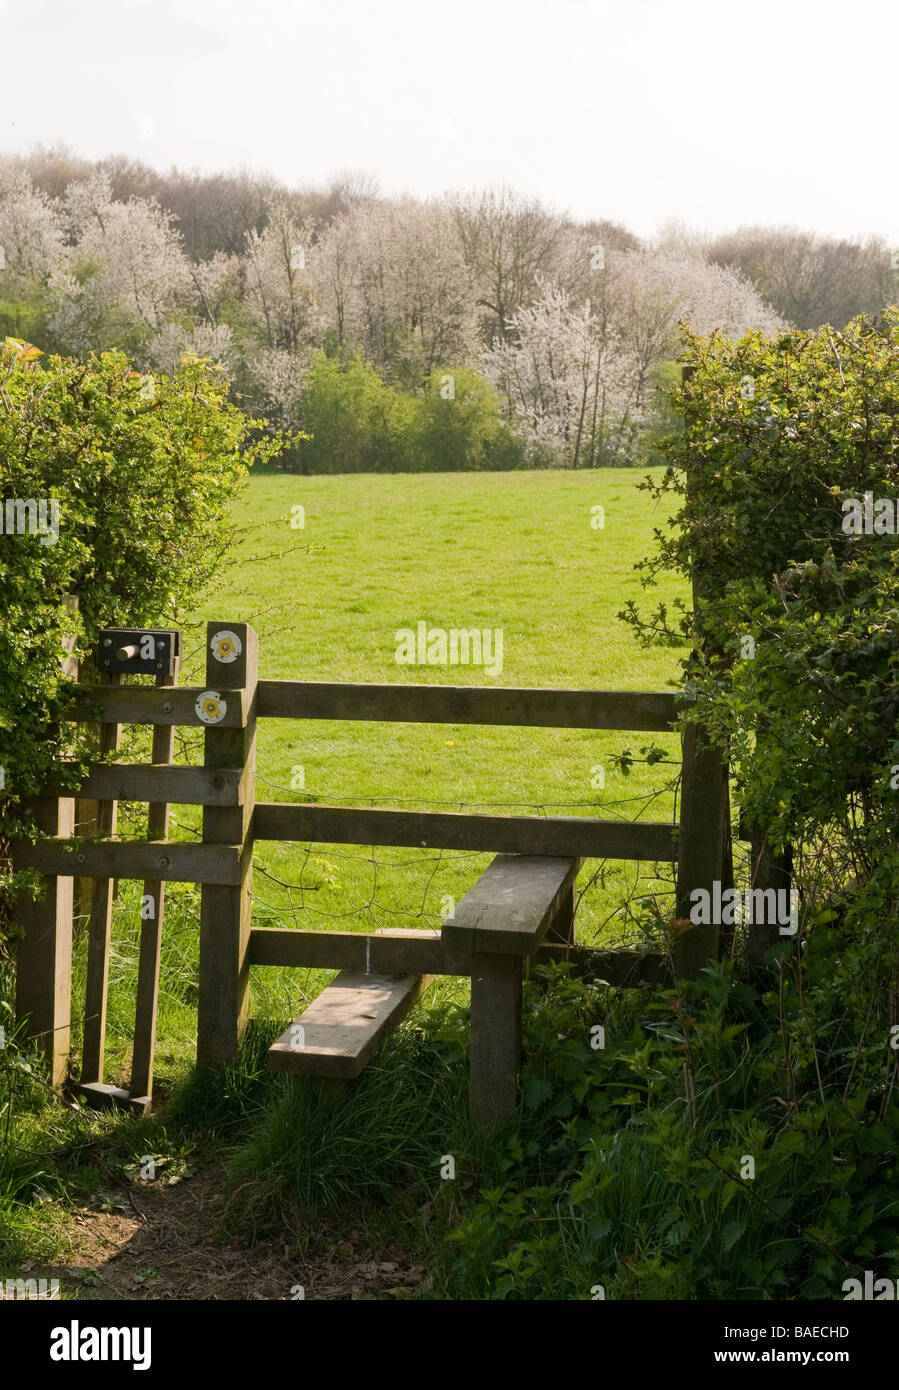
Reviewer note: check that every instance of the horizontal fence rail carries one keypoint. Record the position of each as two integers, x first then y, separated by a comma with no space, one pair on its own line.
186,786
636,710
452,830
411,952
168,861
632,710
142,704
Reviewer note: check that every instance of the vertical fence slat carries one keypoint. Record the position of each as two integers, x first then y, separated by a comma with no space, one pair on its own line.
141,1086
225,913
99,940
44,954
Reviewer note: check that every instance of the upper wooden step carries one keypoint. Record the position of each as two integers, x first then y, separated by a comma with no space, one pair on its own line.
512,905
341,1029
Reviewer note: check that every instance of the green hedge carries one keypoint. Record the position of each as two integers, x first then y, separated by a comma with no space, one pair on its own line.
131,479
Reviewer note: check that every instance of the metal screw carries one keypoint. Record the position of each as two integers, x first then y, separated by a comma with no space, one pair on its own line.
107,641
163,862
168,707
80,858
159,665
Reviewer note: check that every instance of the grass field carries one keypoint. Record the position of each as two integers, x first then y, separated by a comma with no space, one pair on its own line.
516,552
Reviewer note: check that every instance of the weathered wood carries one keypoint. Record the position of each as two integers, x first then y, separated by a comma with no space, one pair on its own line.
701,847
646,711
512,905
404,951
151,925
346,1024
225,913
579,836
704,856
416,952
561,928
44,953
186,786
85,807
100,929
99,1096
173,860
495,1037
141,704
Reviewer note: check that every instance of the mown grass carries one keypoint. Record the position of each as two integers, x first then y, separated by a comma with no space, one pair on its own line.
376,554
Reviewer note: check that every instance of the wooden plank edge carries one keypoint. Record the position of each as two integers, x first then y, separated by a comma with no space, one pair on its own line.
336,1067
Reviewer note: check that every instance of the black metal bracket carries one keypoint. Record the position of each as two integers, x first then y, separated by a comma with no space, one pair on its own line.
138,651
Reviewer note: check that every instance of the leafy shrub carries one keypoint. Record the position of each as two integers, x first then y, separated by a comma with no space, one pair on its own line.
359,423
457,425
143,471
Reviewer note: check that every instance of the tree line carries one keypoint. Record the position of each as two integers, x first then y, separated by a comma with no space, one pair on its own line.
473,330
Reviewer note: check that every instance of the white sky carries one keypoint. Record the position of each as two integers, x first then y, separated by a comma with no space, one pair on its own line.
709,112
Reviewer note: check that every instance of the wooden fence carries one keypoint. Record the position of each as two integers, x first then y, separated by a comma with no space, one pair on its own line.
521,909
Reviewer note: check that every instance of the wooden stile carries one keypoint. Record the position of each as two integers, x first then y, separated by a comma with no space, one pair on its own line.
520,909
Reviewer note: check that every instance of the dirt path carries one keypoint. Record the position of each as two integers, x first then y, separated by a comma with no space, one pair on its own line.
165,1247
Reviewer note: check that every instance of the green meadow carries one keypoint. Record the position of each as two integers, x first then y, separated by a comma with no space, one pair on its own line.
375,554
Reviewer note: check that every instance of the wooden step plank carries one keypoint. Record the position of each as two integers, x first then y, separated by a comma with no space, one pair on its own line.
346,1024
512,905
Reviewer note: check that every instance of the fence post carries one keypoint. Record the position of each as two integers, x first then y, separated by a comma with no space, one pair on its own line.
44,954
225,912
701,847
704,845
767,871
495,1036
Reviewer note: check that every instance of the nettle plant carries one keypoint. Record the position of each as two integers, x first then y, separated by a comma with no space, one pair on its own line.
138,473
787,470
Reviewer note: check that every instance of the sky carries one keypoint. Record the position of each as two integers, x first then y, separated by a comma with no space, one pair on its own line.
711,113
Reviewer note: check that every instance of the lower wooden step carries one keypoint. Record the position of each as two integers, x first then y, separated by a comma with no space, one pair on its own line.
99,1096
343,1028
